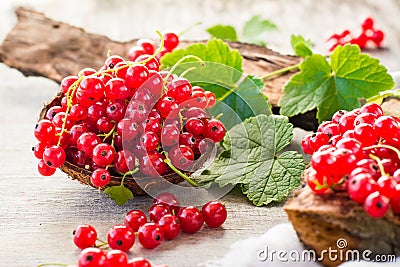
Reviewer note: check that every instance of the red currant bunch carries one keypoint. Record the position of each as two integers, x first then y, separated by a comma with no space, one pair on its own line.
145,47
369,34
358,151
128,116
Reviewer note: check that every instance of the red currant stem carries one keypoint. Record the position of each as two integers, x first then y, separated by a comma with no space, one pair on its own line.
384,146
53,264
179,62
187,71
280,71
128,173
102,242
112,139
158,51
379,161
181,174
189,28
110,133
219,116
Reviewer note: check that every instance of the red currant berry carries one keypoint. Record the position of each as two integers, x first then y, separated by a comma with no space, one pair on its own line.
39,148
149,141
45,169
117,258
128,129
152,64
317,140
170,225
54,156
153,164
351,144
45,131
376,205
134,219
166,105
147,45
171,41
338,114
194,112
214,214
367,24
135,76
180,89
150,235
105,124
121,237
211,99
92,257
137,111
385,126
169,135
86,72
366,134
169,200
305,144
360,186
181,157
346,122
157,211
67,82
372,108
377,37
191,219
135,51
387,186
53,111
116,90
87,142
215,130
195,126
124,161
100,177
116,110
139,262
85,236
113,60
103,154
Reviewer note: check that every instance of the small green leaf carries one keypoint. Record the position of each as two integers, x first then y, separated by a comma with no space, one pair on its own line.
254,29
119,193
330,86
301,46
378,99
224,32
253,160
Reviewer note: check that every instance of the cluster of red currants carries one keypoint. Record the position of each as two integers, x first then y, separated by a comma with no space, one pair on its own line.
146,47
128,116
165,221
358,151
369,33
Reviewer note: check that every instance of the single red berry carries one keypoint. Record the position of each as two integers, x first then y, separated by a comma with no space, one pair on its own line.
135,51
87,142
180,89
166,105
45,131
214,213
215,130
85,236
366,134
169,135
171,41
181,156
317,140
195,126
86,72
124,161
135,76
115,89
346,122
385,126
157,211
168,199
39,148
105,124
95,112
92,257
170,225
191,219
134,219
67,82
121,237
360,186
153,164
100,177
150,235
147,45
54,156
45,169
305,144
367,24
53,111
137,111
77,113
117,258
211,99
103,154
139,262
376,205
338,114
149,141
377,37
387,186
372,108
152,64
112,60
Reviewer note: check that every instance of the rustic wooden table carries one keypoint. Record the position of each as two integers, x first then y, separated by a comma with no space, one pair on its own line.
38,214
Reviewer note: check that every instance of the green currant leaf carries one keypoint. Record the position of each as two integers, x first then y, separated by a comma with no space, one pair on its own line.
330,86
251,158
378,99
224,32
119,193
222,74
301,46
254,28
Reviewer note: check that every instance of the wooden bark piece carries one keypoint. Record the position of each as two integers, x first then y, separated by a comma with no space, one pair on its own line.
40,46
321,220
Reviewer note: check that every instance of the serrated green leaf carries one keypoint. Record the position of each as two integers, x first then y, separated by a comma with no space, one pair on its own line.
222,74
224,32
301,46
336,85
252,160
119,193
215,50
254,29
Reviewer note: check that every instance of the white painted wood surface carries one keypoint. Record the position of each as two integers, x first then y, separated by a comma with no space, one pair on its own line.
38,214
